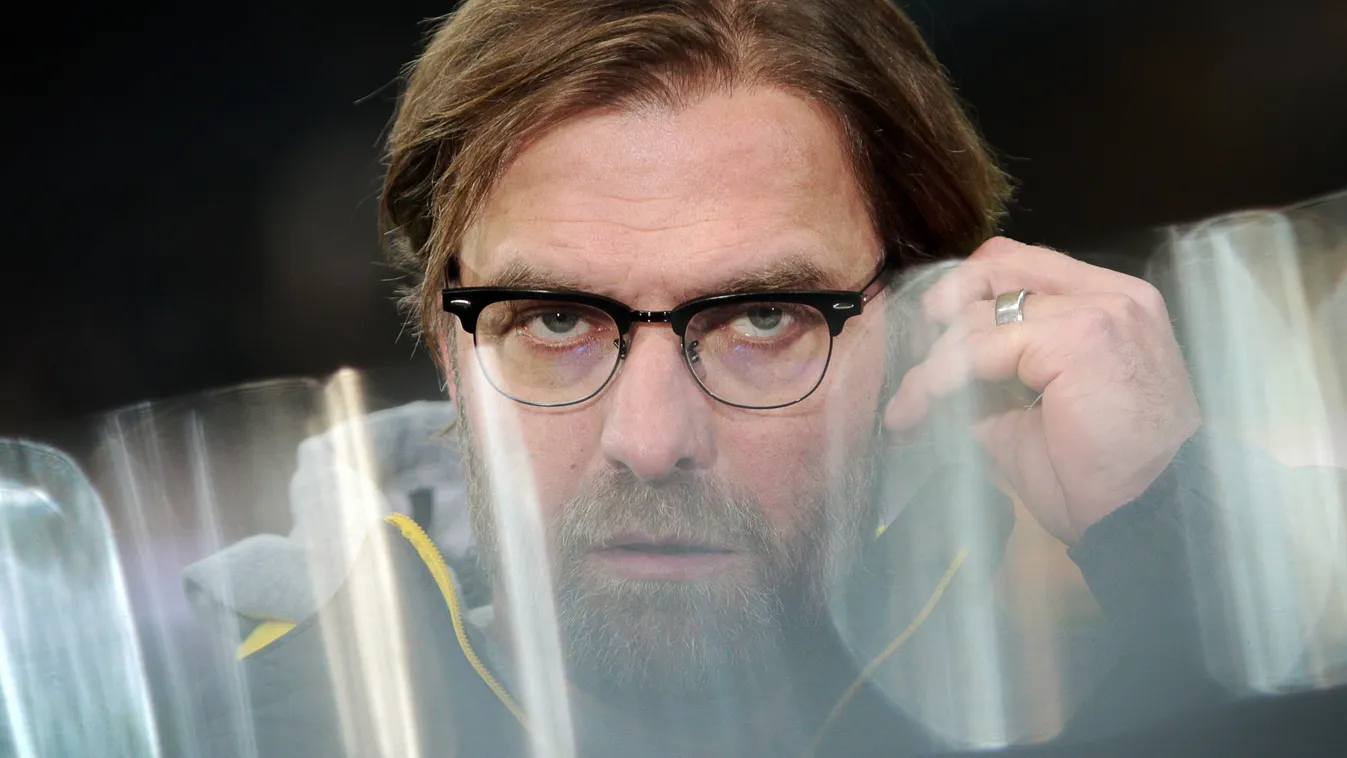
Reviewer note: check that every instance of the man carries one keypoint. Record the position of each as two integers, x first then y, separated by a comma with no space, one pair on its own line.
653,248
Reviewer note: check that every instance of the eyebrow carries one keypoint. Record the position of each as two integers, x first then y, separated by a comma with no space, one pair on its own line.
794,272
521,275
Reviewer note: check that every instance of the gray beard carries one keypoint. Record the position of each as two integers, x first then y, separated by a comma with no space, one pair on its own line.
626,636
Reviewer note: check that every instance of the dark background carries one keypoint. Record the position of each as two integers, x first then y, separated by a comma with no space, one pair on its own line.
193,190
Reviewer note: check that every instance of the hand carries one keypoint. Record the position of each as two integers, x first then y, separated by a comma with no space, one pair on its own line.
1116,403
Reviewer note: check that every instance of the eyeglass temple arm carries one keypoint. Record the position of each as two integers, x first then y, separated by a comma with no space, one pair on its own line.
881,280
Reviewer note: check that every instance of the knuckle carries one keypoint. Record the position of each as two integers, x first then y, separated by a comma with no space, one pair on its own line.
1151,300
1126,307
996,247
1094,323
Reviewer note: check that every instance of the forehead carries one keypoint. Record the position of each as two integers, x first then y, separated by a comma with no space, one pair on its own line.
661,204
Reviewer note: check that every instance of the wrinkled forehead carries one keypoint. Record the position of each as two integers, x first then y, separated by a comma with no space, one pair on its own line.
735,190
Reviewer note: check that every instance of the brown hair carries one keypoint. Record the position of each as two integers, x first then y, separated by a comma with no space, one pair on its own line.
498,73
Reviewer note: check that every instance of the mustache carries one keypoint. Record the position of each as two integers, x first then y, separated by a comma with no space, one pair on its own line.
684,508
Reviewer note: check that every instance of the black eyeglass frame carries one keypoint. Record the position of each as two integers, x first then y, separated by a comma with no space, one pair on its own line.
836,306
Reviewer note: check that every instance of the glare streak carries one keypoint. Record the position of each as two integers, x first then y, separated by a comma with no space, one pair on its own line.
376,691
525,570
71,672
240,708
142,487
1253,358
958,684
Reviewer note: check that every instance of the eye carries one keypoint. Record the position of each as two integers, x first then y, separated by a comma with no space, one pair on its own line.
556,325
761,322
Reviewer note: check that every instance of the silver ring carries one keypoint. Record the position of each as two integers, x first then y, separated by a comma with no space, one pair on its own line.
1010,307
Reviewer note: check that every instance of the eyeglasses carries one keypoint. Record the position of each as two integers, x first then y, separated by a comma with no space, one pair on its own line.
757,350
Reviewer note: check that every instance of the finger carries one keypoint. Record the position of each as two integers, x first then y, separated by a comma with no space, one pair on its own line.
1026,351
1006,438
981,314
1003,265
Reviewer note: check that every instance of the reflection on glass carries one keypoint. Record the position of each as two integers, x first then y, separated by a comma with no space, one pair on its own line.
183,478
1254,295
71,677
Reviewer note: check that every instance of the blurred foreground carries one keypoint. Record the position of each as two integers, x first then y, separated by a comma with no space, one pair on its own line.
263,494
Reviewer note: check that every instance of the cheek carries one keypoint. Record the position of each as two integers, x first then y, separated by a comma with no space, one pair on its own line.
784,459
558,445
563,447
776,460
856,372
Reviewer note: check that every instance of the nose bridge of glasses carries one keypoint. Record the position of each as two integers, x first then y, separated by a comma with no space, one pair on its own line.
647,317
652,317
670,318
654,373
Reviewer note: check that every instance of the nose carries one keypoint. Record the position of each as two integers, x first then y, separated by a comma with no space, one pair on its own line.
656,419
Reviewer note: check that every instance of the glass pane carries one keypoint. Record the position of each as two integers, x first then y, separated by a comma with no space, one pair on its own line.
72,679
813,581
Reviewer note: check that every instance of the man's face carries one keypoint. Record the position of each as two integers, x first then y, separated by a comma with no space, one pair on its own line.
685,533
